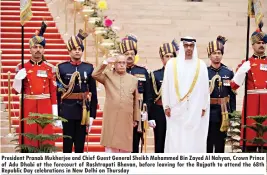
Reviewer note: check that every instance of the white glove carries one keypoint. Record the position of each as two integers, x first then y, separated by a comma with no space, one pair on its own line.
152,123
245,67
21,74
89,129
54,109
90,124
144,116
241,73
58,123
91,121
17,84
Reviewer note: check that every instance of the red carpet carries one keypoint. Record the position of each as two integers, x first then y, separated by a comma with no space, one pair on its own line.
55,52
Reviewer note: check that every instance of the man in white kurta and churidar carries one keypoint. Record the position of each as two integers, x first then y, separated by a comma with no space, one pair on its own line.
185,96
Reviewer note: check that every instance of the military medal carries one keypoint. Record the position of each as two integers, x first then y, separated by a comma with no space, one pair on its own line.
263,67
226,82
41,73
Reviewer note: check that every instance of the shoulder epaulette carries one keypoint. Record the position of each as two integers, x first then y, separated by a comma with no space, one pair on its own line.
227,68
51,65
156,70
87,62
142,66
61,63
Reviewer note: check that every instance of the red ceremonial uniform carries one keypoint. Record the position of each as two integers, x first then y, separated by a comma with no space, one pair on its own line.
40,90
256,94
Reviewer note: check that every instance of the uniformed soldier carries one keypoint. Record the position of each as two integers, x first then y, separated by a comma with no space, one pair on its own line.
40,88
77,95
222,97
128,47
256,70
156,117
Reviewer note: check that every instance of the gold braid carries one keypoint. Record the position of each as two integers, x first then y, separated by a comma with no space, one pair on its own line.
212,84
158,93
71,84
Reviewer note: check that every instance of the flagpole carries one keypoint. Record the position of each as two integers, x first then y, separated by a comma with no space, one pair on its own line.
25,15
245,98
22,88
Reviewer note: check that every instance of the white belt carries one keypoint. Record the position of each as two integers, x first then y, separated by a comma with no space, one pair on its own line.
41,96
257,91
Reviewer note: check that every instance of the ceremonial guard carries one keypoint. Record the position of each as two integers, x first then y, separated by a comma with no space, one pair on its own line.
77,95
156,117
128,47
256,69
40,87
222,97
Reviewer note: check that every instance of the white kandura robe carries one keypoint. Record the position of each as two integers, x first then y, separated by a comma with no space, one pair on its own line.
186,130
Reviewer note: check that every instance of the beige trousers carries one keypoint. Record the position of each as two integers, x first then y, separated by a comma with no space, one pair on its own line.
114,150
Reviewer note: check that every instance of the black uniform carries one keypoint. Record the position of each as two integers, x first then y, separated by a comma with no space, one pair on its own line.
143,88
71,107
215,136
156,111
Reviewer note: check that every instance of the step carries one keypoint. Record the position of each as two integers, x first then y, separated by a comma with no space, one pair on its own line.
94,130
3,109
4,118
29,35
34,13
16,7
5,131
26,40
91,148
89,138
98,114
7,140
97,122
17,18
8,148
4,89
35,24
14,104
47,52
26,29
17,3
5,76
60,45
13,97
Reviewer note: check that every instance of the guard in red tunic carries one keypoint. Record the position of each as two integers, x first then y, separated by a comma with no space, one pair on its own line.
40,86
256,67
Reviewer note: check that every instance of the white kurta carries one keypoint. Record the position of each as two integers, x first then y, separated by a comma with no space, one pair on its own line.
186,130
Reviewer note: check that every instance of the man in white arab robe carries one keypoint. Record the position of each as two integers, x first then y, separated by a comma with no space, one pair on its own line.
185,96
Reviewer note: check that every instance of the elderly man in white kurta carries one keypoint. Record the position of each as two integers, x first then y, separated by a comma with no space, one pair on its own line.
185,96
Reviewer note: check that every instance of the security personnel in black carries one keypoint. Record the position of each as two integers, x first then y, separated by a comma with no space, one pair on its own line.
222,97
156,115
128,47
77,95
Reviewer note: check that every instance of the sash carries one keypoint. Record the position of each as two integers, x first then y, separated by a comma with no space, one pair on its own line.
176,83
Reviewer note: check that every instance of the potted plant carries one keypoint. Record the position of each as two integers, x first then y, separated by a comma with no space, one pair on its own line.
260,130
233,134
41,120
